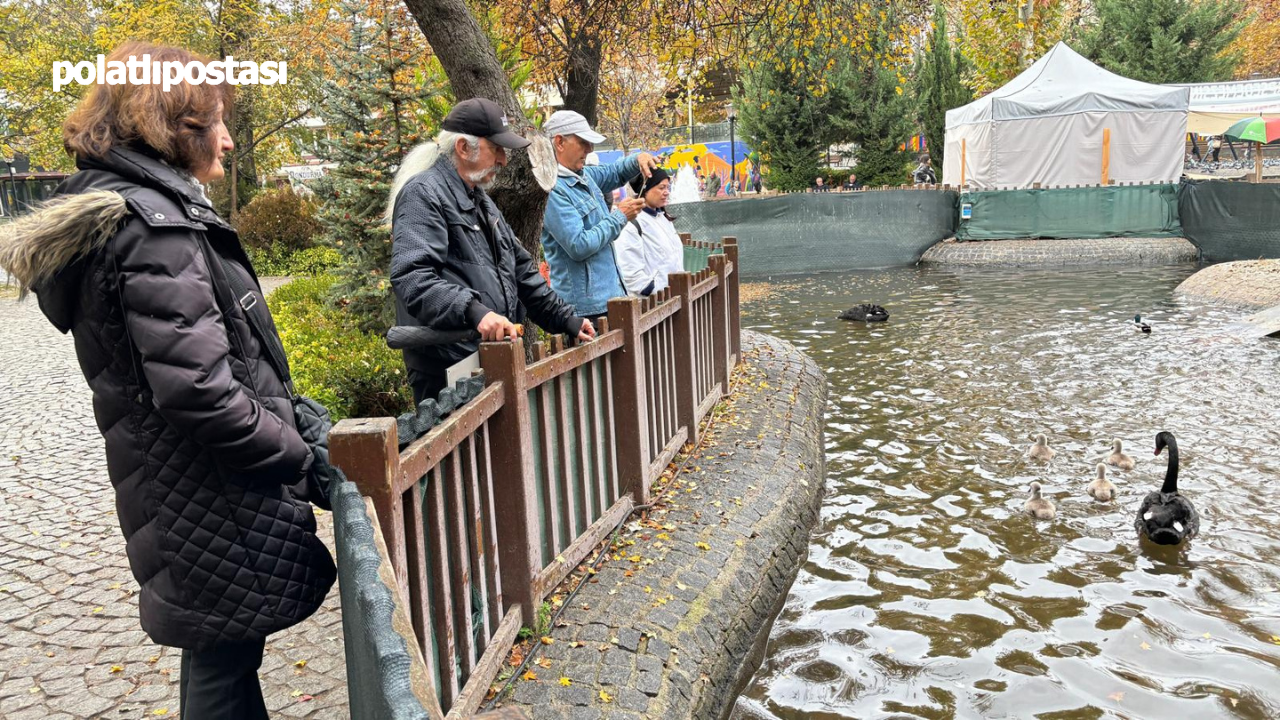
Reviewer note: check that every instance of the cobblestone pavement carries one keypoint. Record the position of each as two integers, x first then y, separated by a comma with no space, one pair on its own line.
667,627
1064,253
1246,285
71,646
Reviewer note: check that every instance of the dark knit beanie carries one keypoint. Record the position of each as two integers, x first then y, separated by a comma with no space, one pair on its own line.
641,185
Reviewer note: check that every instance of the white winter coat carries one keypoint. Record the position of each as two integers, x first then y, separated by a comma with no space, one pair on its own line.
648,249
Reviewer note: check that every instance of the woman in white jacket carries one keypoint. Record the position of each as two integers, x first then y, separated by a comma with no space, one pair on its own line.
649,246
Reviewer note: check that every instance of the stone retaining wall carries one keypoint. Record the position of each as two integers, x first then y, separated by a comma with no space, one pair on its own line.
1064,253
672,628
1246,285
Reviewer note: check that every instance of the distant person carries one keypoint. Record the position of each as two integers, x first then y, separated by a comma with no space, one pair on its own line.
756,182
852,183
1214,147
923,174
649,247
578,228
455,263
820,185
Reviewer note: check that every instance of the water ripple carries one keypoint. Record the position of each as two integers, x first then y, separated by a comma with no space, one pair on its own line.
927,593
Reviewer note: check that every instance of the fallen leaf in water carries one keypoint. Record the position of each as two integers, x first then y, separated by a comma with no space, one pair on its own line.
1117,696
1207,635
566,682
1275,639
980,594
1145,646
1234,702
605,697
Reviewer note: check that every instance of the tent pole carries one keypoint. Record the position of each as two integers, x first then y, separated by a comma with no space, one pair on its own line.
1106,156
964,147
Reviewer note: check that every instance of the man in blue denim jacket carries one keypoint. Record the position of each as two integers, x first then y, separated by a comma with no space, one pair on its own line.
579,229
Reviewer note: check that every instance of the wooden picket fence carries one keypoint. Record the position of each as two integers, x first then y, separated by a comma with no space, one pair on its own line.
489,511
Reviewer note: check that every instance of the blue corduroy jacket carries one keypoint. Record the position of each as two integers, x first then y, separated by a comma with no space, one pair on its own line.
578,233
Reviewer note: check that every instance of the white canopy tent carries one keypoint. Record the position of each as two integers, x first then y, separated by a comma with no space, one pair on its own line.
1062,122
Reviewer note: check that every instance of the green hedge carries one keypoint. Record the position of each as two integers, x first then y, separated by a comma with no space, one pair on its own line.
277,261
352,373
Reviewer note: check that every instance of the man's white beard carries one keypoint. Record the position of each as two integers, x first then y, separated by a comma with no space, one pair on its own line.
484,179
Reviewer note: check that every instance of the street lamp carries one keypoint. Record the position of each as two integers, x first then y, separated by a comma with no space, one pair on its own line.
733,151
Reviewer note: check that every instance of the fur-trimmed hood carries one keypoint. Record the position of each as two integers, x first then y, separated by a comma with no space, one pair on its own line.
47,250
36,247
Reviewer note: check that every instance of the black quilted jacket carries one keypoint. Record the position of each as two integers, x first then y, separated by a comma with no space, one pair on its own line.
200,438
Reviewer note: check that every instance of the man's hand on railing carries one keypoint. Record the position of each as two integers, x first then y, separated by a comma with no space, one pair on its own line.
588,331
494,327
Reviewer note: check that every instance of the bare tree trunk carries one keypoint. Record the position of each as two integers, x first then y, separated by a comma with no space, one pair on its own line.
473,69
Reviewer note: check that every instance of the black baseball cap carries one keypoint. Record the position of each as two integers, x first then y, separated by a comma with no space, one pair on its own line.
483,118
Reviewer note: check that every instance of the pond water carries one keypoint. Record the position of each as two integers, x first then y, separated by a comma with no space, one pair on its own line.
927,591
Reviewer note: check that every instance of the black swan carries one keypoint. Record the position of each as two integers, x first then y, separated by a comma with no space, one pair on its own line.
1165,517
1040,451
1101,489
1037,507
1118,458
865,313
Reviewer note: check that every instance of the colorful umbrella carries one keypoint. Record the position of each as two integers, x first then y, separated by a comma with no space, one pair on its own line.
1258,129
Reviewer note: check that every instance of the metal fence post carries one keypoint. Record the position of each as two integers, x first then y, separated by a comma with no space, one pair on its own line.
630,409
515,496
720,323
735,315
366,450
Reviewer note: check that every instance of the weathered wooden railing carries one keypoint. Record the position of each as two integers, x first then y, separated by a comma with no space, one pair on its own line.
485,514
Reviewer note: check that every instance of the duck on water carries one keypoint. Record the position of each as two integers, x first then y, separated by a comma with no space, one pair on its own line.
1166,517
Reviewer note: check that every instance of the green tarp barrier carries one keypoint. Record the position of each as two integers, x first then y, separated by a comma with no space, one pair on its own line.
1088,212
810,232
1231,220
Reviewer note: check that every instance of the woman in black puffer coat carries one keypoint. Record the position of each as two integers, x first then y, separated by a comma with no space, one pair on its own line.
202,449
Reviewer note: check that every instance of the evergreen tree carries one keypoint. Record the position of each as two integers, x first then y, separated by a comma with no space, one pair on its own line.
376,110
1166,41
784,117
939,86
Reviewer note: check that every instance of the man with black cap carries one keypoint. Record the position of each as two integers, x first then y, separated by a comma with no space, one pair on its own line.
455,263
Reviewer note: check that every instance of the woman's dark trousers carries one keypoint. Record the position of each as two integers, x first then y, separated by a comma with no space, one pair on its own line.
222,683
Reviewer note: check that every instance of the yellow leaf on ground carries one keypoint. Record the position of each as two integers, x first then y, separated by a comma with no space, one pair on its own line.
543,662
97,610
160,711
702,546
547,640
648,589
605,697
566,681
117,669
529,675
300,664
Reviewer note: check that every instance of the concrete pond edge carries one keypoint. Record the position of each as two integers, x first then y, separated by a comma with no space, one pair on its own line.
676,625
1050,253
